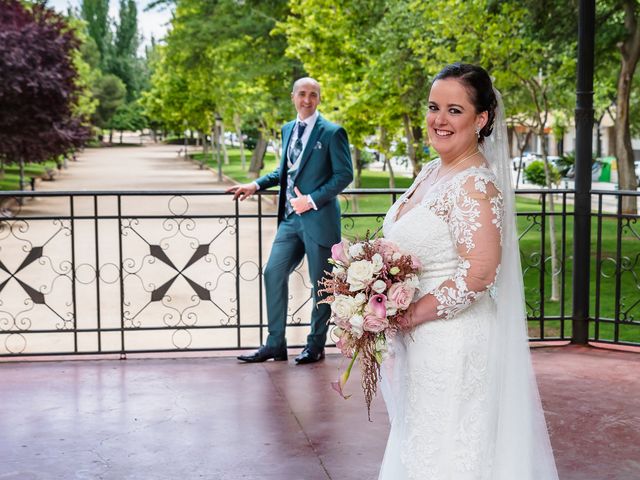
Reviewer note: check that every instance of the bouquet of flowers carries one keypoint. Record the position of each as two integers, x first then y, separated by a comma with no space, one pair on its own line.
370,287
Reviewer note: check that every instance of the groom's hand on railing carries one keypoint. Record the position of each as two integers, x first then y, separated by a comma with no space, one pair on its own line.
243,191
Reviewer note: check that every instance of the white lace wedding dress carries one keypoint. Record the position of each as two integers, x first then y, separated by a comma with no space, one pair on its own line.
442,385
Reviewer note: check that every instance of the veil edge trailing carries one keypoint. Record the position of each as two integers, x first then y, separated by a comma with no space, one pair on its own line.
522,446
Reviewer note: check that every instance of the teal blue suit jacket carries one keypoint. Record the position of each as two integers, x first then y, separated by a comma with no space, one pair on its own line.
325,170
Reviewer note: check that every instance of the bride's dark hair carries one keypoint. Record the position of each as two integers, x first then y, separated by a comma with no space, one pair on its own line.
480,88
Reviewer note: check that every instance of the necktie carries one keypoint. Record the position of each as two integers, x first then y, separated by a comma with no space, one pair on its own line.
296,150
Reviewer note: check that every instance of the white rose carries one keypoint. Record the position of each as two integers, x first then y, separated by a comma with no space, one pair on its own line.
378,262
356,250
412,281
391,308
379,286
359,274
360,299
396,256
343,306
357,321
382,350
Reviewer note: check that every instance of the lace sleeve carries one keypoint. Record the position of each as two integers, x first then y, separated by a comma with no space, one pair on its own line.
475,223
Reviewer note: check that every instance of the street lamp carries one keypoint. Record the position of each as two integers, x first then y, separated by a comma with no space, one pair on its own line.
218,135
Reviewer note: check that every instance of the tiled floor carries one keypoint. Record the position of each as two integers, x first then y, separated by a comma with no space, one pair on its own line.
214,418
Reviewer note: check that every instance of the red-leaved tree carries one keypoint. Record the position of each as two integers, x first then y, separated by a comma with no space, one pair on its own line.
38,84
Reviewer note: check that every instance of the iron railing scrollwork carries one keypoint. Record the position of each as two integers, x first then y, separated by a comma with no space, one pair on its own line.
128,272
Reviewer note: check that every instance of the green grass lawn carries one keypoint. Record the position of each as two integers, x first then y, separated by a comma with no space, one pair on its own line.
366,212
11,178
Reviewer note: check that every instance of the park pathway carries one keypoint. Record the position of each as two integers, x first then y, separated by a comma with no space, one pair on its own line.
149,167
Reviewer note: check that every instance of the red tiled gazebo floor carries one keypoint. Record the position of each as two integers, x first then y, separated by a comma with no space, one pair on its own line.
214,418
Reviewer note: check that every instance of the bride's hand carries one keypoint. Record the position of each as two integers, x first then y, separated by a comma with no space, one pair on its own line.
406,322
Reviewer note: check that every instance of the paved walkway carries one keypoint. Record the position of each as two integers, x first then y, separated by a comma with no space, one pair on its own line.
149,167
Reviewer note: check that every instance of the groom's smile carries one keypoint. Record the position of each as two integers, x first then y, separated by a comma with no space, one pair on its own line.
306,98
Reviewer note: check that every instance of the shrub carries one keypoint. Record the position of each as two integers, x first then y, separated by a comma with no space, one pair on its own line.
534,173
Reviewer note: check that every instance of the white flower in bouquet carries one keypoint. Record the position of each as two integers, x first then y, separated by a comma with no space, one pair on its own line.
412,281
359,275
378,262
379,286
382,349
360,299
356,250
392,309
357,322
344,306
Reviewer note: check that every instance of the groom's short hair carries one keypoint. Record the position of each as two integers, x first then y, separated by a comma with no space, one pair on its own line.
304,80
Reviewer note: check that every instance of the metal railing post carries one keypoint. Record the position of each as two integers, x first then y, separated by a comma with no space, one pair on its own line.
584,129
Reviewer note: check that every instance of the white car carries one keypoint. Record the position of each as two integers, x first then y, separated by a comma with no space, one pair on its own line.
527,158
637,165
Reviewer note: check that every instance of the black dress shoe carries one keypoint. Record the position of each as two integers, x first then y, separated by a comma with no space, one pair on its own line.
265,353
310,355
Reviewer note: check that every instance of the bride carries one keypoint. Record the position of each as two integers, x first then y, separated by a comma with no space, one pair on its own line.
460,388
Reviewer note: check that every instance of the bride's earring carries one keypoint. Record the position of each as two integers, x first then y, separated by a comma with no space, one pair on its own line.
477,131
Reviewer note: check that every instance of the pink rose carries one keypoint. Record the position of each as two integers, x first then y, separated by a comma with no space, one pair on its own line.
416,263
377,306
401,295
342,323
339,252
375,324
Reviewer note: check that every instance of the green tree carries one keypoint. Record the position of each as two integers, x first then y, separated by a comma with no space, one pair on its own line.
128,117
336,46
124,61
110,92
96,14
221,59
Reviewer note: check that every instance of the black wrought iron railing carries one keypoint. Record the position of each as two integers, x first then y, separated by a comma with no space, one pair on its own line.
131,272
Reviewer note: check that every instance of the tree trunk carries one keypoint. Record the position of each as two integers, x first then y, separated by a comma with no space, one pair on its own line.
521,147
223,144
121,137
216,137
238,124
213,145
257,158
392,177
111,137
277,145
383,146
21,174
555,263
411,148
630,53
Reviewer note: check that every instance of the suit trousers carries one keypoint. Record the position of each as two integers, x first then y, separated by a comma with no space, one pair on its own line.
289,248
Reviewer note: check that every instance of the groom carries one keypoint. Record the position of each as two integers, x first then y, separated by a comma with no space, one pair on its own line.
315,167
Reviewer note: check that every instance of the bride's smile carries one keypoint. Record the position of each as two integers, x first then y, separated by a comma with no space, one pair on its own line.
452,120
